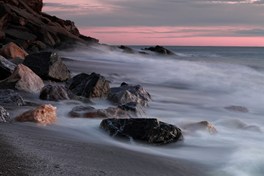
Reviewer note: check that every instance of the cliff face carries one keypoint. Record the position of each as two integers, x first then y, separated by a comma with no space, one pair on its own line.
22,22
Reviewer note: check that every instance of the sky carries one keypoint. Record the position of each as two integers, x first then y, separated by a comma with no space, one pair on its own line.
166,22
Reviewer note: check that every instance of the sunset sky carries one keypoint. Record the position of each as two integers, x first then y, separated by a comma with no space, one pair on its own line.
166,22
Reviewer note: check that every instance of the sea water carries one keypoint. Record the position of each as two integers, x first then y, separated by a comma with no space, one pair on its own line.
195,84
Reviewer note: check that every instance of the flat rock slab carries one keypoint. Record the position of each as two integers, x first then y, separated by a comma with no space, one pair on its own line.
150,131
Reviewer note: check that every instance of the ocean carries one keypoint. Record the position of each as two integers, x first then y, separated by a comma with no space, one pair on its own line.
197,84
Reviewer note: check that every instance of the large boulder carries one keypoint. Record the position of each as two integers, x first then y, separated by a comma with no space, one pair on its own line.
54,93
160,50
6,68
10,97
126,49
12,51
23,79
4,115
89,86
129,93
48,65
22,22
44,114
150,131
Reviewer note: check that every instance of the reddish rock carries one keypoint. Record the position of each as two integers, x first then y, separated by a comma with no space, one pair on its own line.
44,114
12,51
23,79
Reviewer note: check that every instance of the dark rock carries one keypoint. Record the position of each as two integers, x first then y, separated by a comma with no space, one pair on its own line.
126,49
54,93
4,115
23,79
160,50
35,5
6,68
151,131
10,97
48,65
129,93
89,86
237,109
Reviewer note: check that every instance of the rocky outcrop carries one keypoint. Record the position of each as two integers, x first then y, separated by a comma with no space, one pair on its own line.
22,22
10,97
54,93
44,114
89,86
160,50
6,68
150,131
4,115
200,126
129,93
12,51
48,65
23,79
91,112
237,108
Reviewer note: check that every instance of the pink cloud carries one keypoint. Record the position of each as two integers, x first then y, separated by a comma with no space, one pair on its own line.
202,36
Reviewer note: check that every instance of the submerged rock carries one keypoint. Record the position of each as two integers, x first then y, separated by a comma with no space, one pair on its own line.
4,115
6,68
237,109
54,93
44,114
48,65
10,97
23,79
129,93
89,86
160,50
126,49
12,51
202,125
91,112
151,131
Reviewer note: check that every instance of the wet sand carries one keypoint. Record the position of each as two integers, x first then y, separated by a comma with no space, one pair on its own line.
28,149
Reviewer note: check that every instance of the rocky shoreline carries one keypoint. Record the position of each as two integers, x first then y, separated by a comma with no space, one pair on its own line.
29,65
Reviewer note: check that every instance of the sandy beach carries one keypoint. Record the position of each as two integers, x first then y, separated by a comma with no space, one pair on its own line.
27,149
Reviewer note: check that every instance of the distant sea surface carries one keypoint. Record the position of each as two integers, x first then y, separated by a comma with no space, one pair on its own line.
222,85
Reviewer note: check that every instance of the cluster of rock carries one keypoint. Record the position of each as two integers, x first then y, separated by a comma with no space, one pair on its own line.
22,22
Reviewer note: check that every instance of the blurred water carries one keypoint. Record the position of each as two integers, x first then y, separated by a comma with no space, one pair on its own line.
194,85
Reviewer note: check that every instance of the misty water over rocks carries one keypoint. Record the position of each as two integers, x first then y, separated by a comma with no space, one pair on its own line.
187,88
